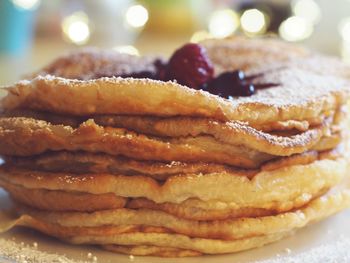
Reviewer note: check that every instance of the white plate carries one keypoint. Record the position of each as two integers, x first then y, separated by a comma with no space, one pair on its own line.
318,240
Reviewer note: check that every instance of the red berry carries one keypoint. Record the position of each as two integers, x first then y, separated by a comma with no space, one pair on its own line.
190,66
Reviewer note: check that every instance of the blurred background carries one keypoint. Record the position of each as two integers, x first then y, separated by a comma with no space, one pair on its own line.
33,32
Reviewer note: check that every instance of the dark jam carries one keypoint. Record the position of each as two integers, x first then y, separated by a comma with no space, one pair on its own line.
231,84
191,66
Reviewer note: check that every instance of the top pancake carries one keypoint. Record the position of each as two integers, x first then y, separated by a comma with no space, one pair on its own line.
305,88
92,63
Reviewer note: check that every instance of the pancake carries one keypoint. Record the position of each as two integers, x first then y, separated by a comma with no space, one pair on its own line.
240,234
91,63
233,132
281,188
53,200
306,87
300,95
129,221
229,229
246,54
38,137
83,162
91,137
227,54
269,54
129,235
135,122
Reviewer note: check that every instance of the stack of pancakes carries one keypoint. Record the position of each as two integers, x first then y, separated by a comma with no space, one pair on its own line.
147,167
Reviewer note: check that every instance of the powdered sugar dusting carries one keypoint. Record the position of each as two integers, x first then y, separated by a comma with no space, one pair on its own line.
297,87
22,253
336,251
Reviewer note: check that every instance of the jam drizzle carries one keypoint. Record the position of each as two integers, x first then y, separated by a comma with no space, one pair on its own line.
190,66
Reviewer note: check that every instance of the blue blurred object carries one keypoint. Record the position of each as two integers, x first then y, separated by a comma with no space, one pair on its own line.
16,25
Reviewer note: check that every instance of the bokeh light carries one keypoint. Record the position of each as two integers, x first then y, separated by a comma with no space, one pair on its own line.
76,28
26,4
295,29
131,50
344,29
253,21
307,9
345,51
136,16
200,36
223,23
